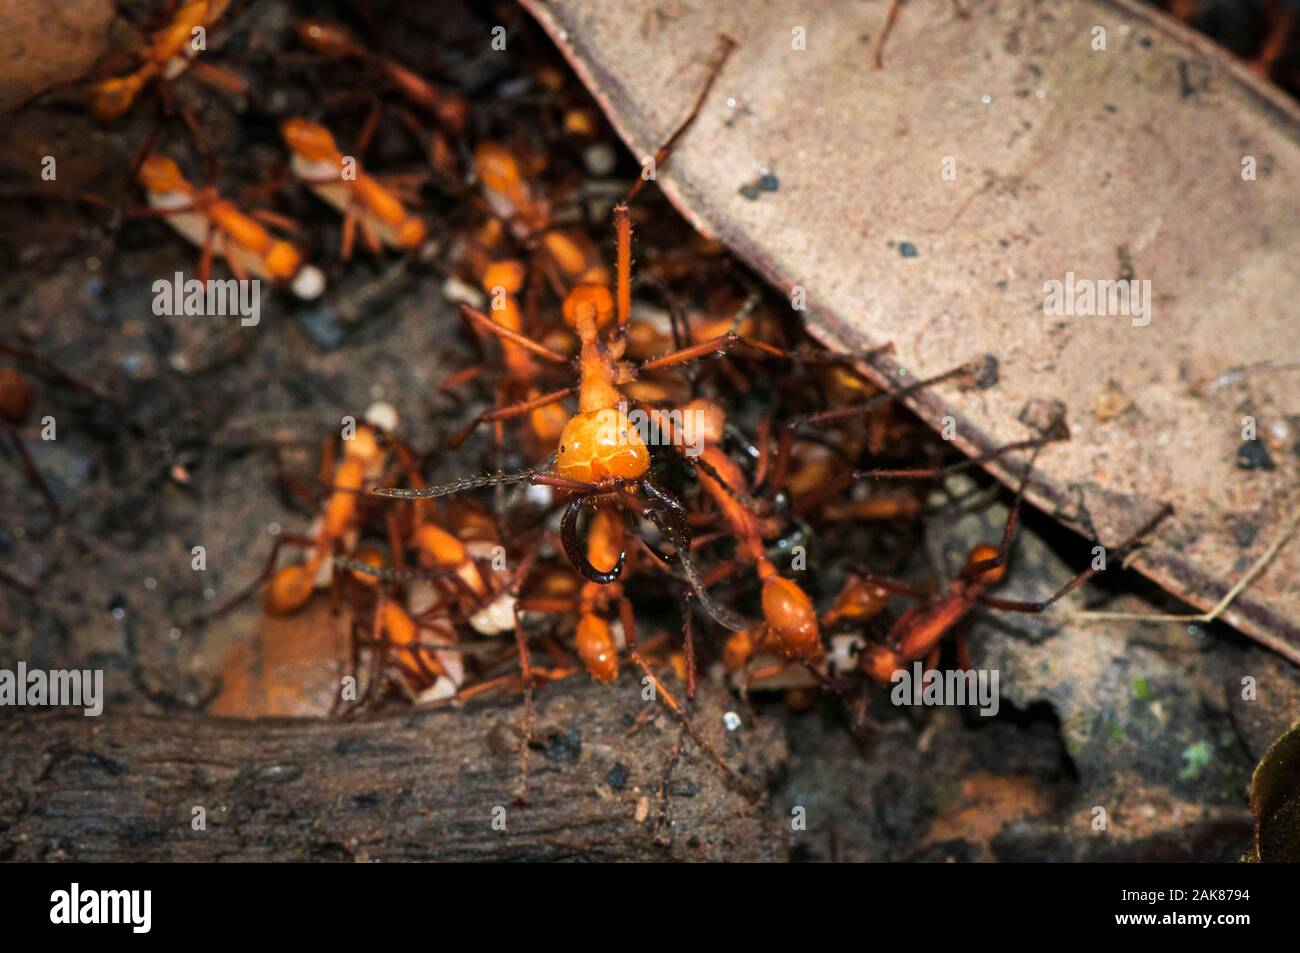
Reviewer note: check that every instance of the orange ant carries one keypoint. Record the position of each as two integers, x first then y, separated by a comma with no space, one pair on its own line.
428,668
365,203
917,633
601,458
336,43
788,613
448,107
366,452
218,227
503,280
170,52
792,630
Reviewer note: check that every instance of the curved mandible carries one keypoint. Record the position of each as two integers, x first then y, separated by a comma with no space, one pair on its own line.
577,554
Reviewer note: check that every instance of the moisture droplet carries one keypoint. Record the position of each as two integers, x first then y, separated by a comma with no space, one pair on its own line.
731,720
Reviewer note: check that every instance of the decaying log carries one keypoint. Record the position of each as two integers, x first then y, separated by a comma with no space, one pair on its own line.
401,785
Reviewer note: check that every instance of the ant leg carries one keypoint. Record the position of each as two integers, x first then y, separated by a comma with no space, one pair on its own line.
688,644
1013,605
219,77
368,235
890,17
268,570
623,229
235,262
349,234
881,400
671,703
725,45
550,606
205,255
930,472
487,324
526,673
1207,617
510,412
368,127
1280,23
396,549
964,660
33,472
464,376
354,671
1009,529
662,837
283,222
718,345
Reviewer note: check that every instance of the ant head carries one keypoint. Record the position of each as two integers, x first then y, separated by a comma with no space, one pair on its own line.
599,445
160,174
498,168
589,302
879,663
985,555
507,275
574,255
309,140
111,98
861,599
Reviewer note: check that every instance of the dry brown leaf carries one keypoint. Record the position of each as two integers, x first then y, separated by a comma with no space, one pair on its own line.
1107,164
